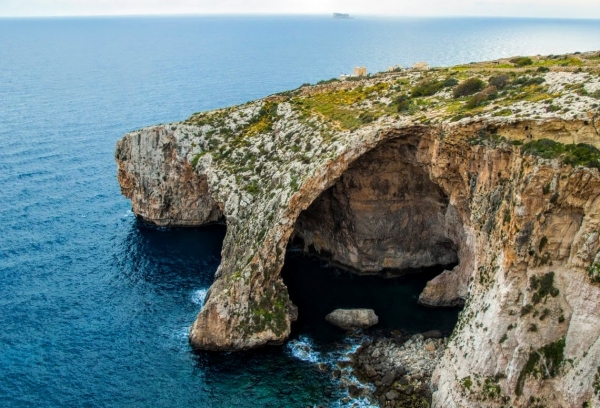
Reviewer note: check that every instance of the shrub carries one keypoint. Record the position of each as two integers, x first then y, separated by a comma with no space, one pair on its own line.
403,102
544,287
468,87
427,88
327,81
521,61
543,69
544,240
450,82
476,100
526,80
525,310
366,117
545,361
499,81
552,108
479,98
594,272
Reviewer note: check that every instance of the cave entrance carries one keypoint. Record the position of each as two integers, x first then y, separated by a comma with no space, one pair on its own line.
384,217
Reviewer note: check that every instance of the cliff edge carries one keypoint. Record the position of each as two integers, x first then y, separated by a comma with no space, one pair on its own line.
491,166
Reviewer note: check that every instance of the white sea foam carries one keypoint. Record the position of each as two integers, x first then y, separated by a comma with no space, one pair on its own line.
303,349
199,296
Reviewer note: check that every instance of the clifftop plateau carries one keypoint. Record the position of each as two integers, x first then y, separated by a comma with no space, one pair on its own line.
492,166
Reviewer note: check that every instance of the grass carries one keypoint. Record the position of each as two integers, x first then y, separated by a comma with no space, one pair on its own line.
338,105
263,121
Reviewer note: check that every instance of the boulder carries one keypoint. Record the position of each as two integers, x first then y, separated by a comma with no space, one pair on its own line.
432,334
352,319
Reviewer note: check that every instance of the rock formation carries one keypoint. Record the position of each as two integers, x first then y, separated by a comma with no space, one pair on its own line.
352,319
402,170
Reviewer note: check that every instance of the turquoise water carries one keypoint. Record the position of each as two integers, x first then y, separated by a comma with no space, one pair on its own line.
95,308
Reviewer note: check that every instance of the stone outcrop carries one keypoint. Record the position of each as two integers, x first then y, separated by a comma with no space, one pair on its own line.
163,189
399,369
377,181
352,319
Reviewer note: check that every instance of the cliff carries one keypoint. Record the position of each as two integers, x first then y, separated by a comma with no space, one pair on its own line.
491,166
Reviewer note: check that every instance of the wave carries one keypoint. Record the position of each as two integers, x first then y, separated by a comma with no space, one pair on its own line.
303,349
198,296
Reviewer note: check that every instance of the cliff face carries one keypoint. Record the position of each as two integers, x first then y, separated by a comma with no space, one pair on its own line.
163,189
383,213
505,195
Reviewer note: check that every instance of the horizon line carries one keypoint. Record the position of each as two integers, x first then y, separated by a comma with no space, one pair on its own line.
273,14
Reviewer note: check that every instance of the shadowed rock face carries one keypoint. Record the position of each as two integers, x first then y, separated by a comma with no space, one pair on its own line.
384,213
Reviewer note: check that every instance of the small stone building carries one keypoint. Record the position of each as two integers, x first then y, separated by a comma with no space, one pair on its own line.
421,65
360,71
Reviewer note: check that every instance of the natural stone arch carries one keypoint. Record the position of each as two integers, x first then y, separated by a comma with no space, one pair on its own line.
509,203
259,314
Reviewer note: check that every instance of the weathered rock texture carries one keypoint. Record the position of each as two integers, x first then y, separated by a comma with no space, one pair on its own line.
163,189
399,369
383,213
351,319
375,189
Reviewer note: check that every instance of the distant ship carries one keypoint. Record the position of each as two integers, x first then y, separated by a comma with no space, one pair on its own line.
341,15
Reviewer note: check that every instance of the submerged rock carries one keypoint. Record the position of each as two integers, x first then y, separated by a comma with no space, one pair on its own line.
352,319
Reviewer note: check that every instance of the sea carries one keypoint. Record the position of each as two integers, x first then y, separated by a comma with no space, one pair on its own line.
94,306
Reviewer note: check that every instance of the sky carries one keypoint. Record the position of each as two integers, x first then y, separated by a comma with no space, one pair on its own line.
512,8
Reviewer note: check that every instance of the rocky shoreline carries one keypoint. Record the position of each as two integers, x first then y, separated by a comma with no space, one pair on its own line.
382,369
400,368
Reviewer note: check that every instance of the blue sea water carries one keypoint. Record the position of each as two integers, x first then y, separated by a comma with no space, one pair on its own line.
94,307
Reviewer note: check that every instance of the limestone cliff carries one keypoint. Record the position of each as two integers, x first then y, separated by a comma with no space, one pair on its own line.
490,167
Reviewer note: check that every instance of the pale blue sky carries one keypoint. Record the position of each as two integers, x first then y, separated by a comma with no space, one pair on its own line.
522,8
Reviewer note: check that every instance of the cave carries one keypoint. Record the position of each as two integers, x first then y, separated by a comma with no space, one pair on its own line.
383,217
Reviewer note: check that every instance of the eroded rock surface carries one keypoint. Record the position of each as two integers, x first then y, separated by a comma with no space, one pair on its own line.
352,319
399,369
504,186
383,213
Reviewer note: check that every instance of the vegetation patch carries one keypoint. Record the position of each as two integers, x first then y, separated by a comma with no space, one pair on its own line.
467,383
427,88
543,287
580,154
196,158
544,363
263,121
468,87
480,98
340,106
544,240
500,81
594,272
522,61
269,311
